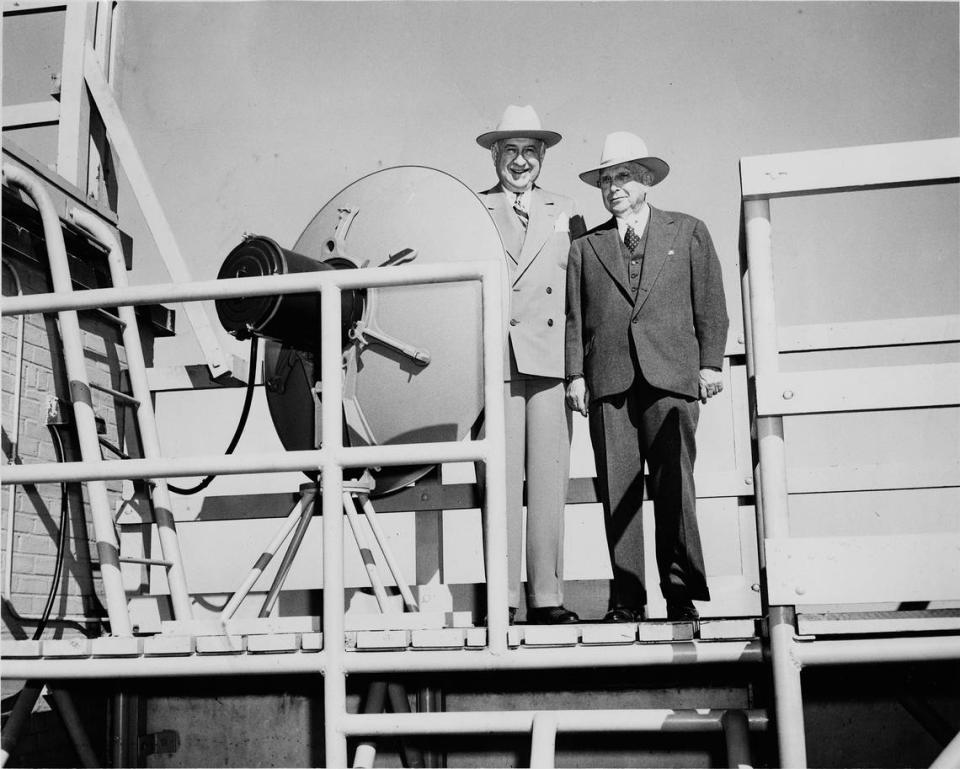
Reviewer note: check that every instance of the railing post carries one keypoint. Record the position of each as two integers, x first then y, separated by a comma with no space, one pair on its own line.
543,741
773,477
495,517
334,686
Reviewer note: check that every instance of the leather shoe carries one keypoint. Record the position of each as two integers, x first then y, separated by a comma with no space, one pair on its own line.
551,615
682,611
623,614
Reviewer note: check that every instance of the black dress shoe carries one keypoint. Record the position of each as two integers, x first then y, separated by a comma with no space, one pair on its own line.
551,615
623,614
682,611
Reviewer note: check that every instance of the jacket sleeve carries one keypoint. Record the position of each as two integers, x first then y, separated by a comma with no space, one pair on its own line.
573,344
709,303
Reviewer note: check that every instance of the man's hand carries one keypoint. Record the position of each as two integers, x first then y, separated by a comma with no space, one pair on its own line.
711,382
577,395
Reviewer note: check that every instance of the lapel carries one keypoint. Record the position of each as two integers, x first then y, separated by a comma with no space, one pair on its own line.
661,233
605,242
500,206
540,227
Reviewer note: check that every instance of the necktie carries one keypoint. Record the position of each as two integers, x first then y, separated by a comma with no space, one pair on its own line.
522,215
632,240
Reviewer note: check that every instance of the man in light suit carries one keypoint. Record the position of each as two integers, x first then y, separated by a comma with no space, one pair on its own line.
534,226
645,335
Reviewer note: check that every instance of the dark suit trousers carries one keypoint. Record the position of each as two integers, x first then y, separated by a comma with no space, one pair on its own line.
647,424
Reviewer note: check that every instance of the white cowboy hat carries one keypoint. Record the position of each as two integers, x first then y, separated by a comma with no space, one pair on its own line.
624,147
518,122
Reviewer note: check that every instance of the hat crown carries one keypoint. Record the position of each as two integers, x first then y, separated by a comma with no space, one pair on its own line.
518,122
621,146
519,119
625,147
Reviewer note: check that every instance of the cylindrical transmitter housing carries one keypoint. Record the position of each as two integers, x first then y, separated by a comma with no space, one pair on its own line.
291,319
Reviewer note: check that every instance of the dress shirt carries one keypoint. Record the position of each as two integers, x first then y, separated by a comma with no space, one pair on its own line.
638,221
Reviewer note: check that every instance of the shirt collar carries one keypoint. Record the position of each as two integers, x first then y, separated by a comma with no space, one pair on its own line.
523,199
638,221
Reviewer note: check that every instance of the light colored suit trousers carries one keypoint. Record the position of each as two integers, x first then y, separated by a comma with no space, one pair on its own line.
537,420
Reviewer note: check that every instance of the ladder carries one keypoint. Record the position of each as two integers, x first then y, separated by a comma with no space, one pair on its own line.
140,400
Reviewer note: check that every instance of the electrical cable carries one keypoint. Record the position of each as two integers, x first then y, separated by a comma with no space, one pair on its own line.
61,541
245,412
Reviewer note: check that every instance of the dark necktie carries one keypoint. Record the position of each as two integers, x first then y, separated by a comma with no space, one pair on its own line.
522,215
632,240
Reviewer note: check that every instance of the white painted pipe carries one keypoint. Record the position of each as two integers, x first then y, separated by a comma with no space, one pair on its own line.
265,557
523,721
764,356
238,464
108,549
370,662
495,497
543,740
267,285
409,602
146,418
773,477
788,694
334,688
872,650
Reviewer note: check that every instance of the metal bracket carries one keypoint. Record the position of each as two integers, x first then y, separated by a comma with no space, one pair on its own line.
166,741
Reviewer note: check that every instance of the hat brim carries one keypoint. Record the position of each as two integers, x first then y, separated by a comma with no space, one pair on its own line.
656,166
549,138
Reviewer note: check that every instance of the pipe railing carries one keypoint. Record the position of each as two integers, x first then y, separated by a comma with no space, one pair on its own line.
774,176
334,456
108,546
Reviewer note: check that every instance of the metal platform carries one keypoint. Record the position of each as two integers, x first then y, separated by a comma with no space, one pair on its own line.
906,622
296,635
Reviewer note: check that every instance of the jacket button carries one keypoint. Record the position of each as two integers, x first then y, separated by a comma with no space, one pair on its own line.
549,290
636,320
549,321
514,321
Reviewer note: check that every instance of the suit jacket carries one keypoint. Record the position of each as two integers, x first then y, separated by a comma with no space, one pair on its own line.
537,264
677,323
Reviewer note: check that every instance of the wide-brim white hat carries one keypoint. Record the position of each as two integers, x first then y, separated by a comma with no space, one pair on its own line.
624,147
518,122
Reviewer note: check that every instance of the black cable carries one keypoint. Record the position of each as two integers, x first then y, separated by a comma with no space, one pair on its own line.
247,401
61,541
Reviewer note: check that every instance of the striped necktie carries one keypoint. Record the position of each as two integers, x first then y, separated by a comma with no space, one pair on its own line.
521,213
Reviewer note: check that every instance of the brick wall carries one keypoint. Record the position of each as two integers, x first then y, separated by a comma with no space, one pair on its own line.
38,507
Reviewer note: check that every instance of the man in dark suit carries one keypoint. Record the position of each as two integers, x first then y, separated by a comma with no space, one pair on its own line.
646,329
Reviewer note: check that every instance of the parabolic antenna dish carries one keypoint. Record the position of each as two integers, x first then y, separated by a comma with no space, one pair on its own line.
413,361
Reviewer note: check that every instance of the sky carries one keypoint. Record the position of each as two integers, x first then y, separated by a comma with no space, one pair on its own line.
250,116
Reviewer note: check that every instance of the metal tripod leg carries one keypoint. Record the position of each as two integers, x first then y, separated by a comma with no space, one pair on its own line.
303,509
308,495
